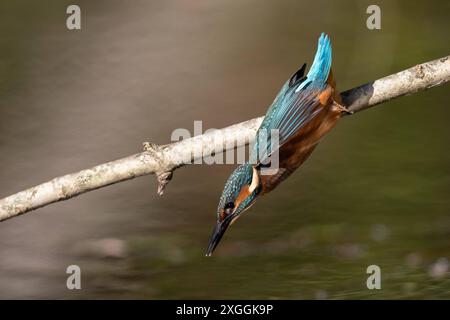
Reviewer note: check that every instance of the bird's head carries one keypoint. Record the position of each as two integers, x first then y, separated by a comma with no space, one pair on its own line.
239,193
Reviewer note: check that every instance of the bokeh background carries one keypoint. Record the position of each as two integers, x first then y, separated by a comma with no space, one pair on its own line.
376,191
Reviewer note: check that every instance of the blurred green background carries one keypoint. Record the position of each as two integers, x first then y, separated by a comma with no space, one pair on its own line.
376,191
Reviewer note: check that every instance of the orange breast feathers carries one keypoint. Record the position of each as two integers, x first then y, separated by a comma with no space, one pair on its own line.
248,189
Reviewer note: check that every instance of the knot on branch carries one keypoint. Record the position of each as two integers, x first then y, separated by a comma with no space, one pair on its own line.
165,169
163,179
152,148
420,74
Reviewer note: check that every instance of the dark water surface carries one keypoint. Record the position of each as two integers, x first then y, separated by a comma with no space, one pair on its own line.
376,191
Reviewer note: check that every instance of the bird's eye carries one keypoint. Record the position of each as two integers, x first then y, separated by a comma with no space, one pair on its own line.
229,205
227,210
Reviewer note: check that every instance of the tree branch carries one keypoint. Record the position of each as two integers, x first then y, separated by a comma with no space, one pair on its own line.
163,160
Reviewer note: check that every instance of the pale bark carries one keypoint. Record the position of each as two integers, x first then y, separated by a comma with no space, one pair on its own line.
163,160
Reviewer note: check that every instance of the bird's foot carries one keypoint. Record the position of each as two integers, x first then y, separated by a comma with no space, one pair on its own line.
344,111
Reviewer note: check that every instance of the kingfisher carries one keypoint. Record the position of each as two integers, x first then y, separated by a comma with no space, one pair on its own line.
305,109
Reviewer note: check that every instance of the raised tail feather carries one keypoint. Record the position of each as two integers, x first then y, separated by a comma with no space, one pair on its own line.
320,69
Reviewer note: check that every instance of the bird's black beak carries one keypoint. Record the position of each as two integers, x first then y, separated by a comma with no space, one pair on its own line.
217,234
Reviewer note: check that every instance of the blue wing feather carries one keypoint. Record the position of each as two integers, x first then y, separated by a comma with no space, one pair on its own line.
296,104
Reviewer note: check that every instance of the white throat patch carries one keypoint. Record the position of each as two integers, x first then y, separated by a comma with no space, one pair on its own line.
255,181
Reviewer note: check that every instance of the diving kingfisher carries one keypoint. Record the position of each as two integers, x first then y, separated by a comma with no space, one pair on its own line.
305,109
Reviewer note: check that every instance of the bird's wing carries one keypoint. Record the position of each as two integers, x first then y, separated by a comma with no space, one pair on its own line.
296,114
297,103
285,120
296,79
